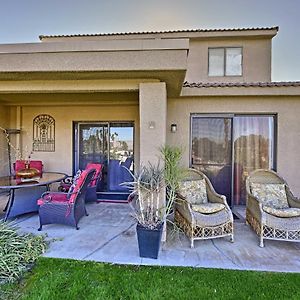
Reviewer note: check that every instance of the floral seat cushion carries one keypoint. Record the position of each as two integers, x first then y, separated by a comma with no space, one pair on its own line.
208,208
194,191
282,212
271,194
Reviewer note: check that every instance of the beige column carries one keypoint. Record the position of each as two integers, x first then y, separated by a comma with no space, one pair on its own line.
153,118
4,167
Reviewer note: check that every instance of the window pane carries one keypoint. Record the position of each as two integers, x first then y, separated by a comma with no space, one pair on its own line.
234,61
216,62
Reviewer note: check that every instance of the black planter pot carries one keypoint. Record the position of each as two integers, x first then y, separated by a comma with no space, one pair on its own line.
149,240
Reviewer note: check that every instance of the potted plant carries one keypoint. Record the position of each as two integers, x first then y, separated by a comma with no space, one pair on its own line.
149,203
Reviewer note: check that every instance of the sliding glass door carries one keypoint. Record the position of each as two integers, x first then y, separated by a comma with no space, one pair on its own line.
228,148
108,143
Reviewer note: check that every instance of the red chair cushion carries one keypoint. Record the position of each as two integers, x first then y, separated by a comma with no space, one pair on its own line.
53,197
98,168
78,186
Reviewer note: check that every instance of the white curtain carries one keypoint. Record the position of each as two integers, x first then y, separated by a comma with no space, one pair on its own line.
253,148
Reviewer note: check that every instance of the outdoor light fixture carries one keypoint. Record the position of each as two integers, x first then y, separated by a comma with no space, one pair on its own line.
173,128
151,125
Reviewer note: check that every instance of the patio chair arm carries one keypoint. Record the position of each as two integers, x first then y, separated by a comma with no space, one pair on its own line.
50,194
292,200
53,193
214,197
184,207
255,207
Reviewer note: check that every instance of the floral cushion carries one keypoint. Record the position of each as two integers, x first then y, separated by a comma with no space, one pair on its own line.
208,208
271,194
282,212
194,191
74,180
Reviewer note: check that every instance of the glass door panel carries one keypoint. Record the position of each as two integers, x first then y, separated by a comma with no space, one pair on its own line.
93,147
120,155
253,149
212,151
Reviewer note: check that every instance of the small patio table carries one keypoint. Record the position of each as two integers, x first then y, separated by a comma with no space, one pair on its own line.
23,196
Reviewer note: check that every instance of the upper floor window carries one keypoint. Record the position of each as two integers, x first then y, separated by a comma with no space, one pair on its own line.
225,61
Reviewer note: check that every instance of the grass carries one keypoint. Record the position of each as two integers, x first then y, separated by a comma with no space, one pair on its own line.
69,279
17,251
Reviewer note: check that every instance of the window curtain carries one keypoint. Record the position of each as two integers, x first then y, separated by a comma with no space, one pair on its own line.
253,148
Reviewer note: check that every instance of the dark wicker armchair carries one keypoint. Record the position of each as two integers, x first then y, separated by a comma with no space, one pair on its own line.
269,218
212,219
65,208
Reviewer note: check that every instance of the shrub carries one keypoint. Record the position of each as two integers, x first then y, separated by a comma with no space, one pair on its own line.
17,251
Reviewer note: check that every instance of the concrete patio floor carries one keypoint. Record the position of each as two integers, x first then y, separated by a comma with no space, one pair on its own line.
108,235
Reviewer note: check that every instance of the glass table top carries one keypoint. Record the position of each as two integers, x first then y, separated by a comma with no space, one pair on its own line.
10,182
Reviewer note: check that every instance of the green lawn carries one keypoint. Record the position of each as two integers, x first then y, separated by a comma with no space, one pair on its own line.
69,279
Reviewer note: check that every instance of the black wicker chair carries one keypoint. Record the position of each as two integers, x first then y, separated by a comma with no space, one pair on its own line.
65,208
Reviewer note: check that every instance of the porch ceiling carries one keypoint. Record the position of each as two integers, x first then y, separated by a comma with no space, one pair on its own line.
70,99
18,88
90,67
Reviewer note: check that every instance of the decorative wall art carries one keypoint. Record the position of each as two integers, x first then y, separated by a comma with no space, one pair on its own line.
44,133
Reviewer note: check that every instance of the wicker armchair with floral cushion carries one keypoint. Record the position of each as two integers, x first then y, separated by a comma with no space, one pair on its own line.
199,211
272,210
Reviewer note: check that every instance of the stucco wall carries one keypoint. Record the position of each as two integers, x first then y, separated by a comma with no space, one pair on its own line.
3,145
61,159
153,106
286,108
256,60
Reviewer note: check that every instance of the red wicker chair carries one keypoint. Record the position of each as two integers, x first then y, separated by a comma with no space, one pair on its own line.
65,208
91,193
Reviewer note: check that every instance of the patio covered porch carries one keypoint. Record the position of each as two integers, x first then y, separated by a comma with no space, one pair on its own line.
108,235
104,83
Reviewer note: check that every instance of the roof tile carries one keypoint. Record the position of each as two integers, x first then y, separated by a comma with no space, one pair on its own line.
158,32
240,84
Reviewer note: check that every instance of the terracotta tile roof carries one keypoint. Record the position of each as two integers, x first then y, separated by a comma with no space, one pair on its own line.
240,84
160,32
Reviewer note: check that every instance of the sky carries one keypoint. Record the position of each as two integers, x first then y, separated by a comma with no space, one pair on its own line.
22,21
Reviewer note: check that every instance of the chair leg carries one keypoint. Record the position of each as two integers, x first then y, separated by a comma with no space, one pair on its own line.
86,213
40,228
77,227
232,238
192,243
261,242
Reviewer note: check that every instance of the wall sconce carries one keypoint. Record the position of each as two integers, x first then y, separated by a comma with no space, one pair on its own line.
173,128
151,125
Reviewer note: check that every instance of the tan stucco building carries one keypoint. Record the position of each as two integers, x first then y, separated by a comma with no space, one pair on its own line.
209,91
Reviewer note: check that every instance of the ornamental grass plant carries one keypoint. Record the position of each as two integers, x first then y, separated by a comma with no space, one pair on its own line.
17,251
154,187
148,186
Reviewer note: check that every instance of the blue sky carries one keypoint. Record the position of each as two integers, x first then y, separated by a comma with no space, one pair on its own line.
24,20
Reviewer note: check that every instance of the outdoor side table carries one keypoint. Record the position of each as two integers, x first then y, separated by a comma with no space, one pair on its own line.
23,196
